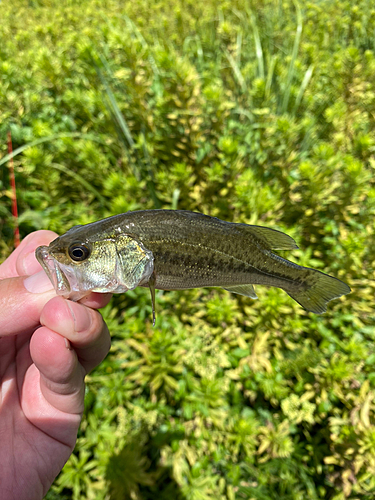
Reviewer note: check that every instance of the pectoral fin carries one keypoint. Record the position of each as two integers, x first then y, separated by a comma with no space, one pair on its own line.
135,264
247,290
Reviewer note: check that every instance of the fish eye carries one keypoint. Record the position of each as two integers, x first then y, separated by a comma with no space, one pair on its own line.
78,252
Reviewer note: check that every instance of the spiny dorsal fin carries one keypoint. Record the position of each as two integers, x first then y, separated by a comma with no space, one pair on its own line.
273,239
247,290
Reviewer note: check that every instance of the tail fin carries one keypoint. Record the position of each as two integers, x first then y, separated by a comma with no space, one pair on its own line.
324,289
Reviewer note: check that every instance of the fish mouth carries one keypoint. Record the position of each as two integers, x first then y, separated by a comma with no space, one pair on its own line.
53,271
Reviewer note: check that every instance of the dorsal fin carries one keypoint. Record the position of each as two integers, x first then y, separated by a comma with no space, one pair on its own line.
273,239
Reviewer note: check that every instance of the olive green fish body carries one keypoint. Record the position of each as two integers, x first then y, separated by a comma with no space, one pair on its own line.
174,249
222,257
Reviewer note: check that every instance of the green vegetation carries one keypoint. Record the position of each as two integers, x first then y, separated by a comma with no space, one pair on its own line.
259,112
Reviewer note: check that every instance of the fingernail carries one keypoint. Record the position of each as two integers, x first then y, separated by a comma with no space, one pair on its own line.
67,344
38,283
29,263
81,316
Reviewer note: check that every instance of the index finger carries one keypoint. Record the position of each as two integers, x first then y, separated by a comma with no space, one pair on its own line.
22,261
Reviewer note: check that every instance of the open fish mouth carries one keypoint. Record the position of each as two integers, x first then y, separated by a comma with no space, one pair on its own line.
54,272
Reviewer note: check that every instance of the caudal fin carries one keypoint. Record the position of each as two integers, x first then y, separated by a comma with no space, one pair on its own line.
324,289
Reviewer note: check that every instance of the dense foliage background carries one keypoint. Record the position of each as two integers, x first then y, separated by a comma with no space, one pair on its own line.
259,112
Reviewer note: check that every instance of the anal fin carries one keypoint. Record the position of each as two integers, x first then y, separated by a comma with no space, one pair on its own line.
247,290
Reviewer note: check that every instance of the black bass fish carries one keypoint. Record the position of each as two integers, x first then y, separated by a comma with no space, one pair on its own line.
176,250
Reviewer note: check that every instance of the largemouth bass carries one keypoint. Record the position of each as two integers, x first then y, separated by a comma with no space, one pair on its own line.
176,250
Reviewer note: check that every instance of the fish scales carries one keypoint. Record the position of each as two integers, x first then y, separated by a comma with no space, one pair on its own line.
181,266
175,249
214,252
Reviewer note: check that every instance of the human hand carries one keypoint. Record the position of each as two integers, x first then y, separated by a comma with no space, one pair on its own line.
47,346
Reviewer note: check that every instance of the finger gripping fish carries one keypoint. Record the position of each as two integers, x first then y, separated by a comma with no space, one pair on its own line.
177,250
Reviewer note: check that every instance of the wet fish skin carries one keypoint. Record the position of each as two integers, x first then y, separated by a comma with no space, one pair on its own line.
175,250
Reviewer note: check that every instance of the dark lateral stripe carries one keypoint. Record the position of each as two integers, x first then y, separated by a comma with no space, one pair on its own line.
178,259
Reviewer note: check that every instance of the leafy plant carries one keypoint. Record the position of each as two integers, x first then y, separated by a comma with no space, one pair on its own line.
259,112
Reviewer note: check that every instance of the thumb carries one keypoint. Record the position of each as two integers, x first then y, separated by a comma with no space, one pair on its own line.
22,261
21,302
